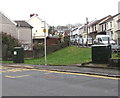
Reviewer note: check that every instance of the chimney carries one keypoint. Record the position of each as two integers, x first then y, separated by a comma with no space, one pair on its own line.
31,15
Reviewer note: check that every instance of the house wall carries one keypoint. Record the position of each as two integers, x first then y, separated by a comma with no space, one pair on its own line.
25,37
119,25
7,26
115,28
90,29
99,27
37,24
110,25
81,30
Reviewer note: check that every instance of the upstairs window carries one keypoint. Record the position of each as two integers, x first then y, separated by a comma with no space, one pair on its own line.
102,27
105,26
95,27
110,24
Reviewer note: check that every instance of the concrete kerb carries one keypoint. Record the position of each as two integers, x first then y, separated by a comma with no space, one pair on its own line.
70,71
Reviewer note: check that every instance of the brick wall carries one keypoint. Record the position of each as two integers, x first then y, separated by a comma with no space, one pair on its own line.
52,41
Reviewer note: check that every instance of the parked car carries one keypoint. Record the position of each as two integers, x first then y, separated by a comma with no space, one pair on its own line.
89,41
72,40
80,41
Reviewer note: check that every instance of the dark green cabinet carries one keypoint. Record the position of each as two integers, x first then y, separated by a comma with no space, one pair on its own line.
101,54
18,55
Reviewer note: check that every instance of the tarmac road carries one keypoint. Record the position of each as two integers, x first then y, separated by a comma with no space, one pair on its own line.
36,82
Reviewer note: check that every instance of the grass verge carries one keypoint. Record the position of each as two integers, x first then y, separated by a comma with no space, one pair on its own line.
115,56
66,56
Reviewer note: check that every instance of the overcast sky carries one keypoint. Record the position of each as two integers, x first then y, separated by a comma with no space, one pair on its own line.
59,12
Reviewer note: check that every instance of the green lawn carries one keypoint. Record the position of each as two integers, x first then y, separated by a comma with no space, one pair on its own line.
66,56
116,56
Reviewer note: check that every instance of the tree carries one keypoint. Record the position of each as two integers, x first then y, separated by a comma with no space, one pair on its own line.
8,43
51,30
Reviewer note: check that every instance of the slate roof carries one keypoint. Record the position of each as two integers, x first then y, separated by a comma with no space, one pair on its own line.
23,24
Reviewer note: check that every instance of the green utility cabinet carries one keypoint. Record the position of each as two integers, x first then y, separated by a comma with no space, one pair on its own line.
18,55
101,54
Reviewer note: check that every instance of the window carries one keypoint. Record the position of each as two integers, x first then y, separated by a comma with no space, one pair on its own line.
105,38
111,24
95,27
36,30
102,27
105,26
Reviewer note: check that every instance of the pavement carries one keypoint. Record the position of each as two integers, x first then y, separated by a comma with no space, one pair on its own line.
93,69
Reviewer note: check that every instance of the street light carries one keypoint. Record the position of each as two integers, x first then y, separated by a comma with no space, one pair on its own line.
44,30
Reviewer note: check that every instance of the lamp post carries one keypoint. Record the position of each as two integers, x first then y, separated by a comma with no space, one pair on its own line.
44,30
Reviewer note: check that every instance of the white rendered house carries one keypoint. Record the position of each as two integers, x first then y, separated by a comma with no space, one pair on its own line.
38,26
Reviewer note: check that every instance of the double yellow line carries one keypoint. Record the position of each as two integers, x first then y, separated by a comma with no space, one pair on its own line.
72,73
15,76
79,74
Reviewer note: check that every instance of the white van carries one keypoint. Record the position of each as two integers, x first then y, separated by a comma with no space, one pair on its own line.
103,39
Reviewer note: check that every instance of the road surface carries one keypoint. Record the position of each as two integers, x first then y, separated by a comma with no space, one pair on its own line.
36,82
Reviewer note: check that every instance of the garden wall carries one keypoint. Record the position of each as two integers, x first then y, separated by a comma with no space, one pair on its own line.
36,53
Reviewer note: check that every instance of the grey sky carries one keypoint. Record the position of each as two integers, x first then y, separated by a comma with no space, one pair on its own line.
59,12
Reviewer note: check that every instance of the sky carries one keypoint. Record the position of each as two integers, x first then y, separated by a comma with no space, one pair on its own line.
59,12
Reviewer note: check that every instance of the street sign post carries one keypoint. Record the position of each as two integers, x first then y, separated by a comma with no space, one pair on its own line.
44,30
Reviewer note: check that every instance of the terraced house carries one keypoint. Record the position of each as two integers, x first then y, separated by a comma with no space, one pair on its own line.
95,27
110,26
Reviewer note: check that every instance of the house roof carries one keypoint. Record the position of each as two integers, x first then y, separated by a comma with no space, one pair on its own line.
7,17
34,17
23,24
74,29
104,18
98,21
110,18
93,23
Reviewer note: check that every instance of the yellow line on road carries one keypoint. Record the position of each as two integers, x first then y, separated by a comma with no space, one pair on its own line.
15,76
97,76
9,76
72,73
4,67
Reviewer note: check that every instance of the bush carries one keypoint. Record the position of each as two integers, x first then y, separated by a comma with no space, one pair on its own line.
38,46
8,44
